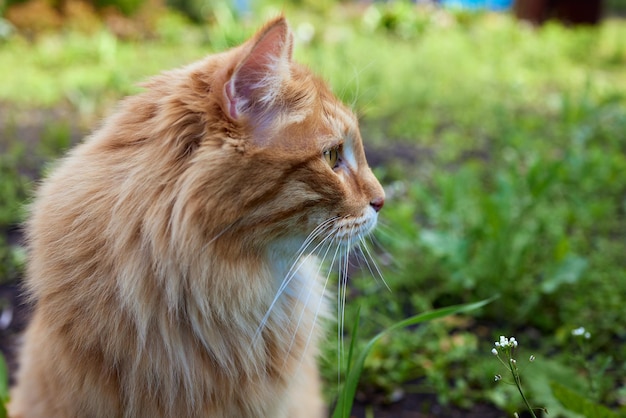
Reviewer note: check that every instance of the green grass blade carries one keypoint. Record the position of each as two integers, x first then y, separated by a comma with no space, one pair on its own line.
346,397
4,387
341,404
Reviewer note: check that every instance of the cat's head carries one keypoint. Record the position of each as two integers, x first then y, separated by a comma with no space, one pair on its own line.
280,157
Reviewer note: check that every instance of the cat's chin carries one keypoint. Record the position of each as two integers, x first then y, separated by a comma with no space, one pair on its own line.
349,230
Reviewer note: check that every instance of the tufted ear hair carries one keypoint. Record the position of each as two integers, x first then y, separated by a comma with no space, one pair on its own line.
258,78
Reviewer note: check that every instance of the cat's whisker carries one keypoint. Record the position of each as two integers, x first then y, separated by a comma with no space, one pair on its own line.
300,258
305,303
339,323
321,228
321,299
222,232
371,261
385,230
339,315
362,258
358,240
342,293
356,73
386,258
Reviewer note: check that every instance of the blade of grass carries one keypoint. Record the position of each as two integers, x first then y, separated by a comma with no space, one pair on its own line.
346,397
341,404
4,387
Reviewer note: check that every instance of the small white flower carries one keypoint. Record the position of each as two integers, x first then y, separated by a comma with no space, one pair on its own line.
581,332
497,377
531,358
494,352
513,361
506,342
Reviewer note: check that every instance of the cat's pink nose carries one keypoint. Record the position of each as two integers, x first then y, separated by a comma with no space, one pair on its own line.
377,203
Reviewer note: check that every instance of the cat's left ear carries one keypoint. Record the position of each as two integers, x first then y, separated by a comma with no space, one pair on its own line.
258,79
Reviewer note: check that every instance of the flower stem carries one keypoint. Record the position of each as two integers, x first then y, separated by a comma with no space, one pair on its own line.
518,383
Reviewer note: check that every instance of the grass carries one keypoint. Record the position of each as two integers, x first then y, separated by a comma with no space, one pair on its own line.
514,185
4,387
356,359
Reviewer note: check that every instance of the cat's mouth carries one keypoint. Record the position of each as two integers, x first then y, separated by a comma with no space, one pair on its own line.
349,230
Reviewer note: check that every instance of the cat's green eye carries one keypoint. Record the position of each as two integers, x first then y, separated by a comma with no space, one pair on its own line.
332,157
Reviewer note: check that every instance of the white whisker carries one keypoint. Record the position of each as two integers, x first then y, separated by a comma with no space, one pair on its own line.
305,303
334,237
369,261
339,321
222,232
385,231
342,286
321,300
293,270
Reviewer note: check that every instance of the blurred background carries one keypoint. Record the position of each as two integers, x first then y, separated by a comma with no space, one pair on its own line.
498,129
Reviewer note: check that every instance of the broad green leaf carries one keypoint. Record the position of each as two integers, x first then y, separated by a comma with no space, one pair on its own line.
577,403
569,271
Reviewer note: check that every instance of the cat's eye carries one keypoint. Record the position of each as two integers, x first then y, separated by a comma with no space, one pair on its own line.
332,157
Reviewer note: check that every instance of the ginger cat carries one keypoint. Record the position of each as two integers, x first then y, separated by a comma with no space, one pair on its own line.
173,255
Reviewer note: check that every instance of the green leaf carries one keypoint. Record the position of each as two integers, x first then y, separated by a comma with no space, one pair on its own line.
346,397
442,244
569,271
579,404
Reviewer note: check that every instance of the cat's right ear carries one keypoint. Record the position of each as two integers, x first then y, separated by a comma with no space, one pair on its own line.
258,78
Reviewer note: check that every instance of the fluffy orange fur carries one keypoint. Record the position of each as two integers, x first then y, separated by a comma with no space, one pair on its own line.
172,255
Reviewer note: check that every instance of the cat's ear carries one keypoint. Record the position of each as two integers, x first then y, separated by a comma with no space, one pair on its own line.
258,78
